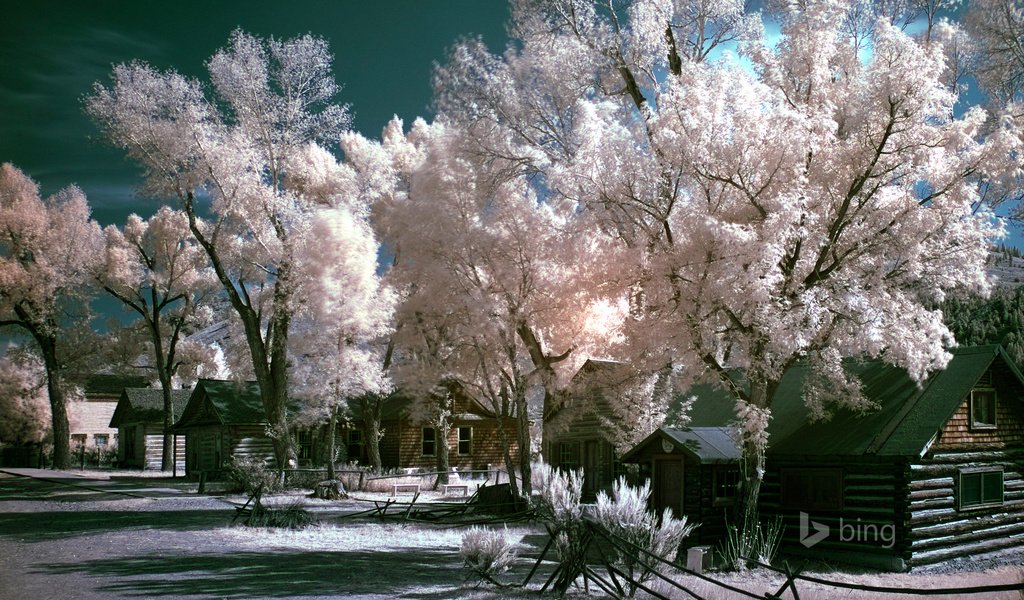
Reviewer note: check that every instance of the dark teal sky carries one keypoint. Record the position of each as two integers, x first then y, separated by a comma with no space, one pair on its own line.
52,51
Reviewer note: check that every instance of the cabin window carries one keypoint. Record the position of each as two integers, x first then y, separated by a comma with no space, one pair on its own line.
812,489
428,439
726,482
102,439
304,441
354,445
465,440
980,488
983,409
77,439
568,455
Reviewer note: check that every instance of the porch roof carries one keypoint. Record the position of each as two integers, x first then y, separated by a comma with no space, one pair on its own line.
709,445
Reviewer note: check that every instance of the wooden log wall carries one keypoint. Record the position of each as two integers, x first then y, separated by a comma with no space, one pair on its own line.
154,446
699,503
870,519
249,441
939,530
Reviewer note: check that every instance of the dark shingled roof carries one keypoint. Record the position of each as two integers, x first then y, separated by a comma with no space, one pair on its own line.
220,402
111,385
710,445
146,405
907,419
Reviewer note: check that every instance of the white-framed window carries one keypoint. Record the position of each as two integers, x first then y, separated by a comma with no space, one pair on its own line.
428,441
979,487
983,408
465,440
101,440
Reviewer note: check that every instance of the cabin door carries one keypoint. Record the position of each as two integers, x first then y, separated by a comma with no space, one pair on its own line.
668,485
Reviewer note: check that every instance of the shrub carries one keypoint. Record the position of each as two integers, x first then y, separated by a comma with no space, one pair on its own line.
625,514
303,480
487,552
293,516
760,544
559,505
247,474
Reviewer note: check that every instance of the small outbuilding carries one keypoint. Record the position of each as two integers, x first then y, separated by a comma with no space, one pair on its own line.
223,419
139,420
693,472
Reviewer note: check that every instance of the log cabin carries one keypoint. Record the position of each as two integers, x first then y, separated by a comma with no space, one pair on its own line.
223,419
474,441
139,420
579,429
931,473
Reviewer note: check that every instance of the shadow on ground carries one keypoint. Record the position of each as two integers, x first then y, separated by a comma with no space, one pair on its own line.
419,574
45,526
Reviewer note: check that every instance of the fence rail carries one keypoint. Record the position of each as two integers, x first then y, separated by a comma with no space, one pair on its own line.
653,566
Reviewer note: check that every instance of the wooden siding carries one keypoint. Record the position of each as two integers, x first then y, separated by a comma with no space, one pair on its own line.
148,447
699,491
91,417
486,447
874,497
251,441
580,423
209,448
1009,430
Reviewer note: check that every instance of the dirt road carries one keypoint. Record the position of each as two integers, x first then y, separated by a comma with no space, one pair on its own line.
73,537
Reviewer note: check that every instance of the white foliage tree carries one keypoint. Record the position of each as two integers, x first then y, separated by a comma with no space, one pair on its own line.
24,408
251,149
157,270
345,310
815,205
997,28
49,249
494,293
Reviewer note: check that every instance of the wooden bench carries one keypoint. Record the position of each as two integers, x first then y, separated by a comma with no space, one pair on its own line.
410,488
456,487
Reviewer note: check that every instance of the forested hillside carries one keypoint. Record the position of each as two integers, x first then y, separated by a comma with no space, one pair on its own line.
1000,318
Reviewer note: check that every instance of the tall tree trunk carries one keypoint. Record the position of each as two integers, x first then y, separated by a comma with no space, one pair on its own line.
371,405
754,438
332,426
167,456
58,401
524,442
510,465
444,429
543,364
270,355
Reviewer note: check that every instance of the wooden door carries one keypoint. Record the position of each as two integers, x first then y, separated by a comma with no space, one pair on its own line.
668,485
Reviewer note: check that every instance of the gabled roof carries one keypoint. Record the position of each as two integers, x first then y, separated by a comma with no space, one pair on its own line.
223,402
106,384
146,405
908,417
710,445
